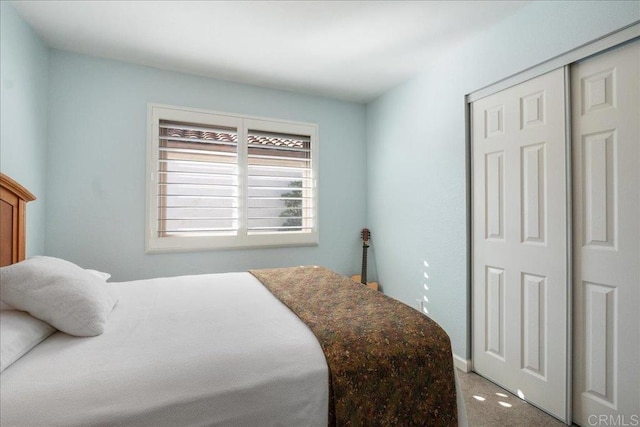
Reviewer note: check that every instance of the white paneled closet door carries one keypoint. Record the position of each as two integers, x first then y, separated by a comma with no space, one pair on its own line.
606,165
520,282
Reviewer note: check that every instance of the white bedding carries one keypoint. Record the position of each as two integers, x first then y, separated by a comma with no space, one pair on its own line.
195,350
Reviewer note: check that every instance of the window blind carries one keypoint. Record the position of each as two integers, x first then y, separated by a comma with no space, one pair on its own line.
197,180
279,182
220,180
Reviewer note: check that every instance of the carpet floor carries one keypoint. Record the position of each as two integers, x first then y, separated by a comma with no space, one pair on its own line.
488,405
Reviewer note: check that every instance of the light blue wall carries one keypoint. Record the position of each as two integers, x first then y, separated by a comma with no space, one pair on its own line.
24,62
417,199
97,164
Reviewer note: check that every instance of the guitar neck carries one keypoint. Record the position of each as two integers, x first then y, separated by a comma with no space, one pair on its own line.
363,275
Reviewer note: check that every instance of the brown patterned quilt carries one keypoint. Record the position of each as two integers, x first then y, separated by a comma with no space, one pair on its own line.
389,365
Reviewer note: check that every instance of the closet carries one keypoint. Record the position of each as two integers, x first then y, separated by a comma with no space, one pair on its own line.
556,238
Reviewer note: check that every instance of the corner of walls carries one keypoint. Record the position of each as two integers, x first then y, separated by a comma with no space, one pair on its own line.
24,66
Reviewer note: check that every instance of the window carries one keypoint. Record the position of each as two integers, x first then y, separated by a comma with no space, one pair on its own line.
223,181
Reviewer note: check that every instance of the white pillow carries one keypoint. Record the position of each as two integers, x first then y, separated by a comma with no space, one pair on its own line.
4,306
99,274
59,292
19,333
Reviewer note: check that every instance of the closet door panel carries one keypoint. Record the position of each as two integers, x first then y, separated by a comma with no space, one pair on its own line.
520,240
606,158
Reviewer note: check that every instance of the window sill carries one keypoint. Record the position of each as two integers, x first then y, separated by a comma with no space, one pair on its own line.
201,244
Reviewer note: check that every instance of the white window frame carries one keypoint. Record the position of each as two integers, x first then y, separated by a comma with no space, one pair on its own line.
156,244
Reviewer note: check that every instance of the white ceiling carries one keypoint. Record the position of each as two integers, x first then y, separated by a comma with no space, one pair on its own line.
350,50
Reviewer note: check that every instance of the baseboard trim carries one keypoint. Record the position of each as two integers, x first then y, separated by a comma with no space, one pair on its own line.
463,364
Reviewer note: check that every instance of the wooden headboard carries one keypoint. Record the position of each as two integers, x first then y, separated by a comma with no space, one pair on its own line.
13,216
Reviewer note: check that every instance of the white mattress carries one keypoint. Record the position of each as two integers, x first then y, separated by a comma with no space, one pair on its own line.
194,350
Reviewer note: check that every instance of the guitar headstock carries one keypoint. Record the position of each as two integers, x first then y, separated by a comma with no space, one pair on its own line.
365,234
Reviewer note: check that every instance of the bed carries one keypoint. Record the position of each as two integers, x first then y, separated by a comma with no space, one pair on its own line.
300,346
